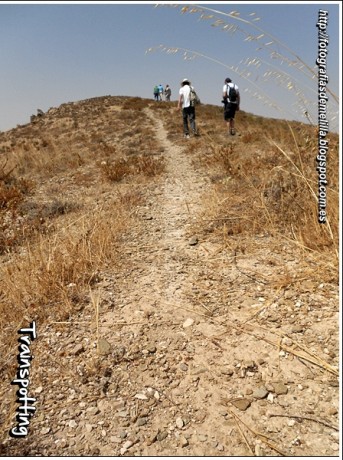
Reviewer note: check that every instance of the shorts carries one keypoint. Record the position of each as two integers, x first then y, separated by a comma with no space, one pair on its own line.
229,111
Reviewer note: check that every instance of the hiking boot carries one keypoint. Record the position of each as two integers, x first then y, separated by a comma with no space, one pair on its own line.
186,136
232,131
196,134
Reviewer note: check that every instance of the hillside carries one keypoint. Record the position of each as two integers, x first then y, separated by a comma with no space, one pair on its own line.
185,296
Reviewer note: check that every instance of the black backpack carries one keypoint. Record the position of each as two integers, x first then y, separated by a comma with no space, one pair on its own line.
232,94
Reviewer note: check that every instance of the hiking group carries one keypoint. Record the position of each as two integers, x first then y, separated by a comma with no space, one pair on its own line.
188,99
159,92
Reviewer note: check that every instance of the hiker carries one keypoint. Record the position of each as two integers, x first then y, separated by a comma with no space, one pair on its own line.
156,93
167,93
231,100
160,91
188,109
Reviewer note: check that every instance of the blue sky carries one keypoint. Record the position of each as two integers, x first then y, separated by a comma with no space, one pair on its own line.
62,52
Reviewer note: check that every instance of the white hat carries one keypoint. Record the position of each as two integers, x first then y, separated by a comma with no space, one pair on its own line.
185,80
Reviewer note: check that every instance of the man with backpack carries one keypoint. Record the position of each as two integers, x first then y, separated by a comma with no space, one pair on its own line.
231,100
187,98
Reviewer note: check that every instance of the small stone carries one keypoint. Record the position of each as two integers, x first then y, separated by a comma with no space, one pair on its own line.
242,403
189,322
77,349
92,411
193,241
179,423
162,435
297,329
115,439
39,390
280,388
202,437
220,447
227,371
260,393
141,421
291,423
125,447
332,411
104,347
183,367
72,424
141,396
89,427
45,430
183,441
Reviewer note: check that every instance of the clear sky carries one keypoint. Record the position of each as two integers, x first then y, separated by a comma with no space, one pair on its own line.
57,52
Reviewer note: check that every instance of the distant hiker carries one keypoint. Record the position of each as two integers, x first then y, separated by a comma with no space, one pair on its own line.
188,108
167,93
231,100
156,92
160,91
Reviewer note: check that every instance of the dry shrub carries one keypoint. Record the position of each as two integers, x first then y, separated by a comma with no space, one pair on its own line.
149,166
117,170
124,167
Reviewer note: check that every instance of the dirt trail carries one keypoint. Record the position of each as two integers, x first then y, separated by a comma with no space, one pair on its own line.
177,372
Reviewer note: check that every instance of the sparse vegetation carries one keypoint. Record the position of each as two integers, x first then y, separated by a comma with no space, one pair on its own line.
74,194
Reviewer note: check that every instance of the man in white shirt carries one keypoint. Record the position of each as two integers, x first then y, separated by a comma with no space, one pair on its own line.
188,110
230,106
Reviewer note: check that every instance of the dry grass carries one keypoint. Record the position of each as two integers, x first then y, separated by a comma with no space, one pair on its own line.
265,179
55,237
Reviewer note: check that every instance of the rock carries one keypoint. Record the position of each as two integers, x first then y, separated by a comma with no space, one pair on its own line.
202,437
141,397
183,367
280,388
189,322
162,435
92,411
227,371
45,430
242,403
141,421
179,422
125,447
260,393
77,349
297,329
332,411
193,241
183,441
104,347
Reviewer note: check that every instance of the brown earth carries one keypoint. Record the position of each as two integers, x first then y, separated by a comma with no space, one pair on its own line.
195,342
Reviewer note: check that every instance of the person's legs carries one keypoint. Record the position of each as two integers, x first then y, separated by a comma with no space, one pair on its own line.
192,120
185,121
229,116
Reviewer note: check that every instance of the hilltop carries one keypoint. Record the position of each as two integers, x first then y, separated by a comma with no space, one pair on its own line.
185,295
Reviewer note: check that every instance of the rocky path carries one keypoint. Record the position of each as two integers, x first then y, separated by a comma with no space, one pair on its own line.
188,357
